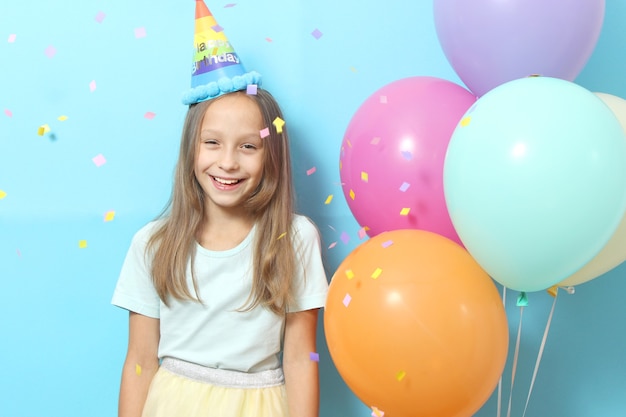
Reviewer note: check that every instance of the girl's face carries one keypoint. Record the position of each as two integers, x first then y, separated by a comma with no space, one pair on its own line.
230,153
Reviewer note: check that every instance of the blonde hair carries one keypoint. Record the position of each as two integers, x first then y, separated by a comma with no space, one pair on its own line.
172,246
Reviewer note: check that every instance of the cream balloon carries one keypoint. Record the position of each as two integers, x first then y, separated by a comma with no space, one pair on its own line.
614,252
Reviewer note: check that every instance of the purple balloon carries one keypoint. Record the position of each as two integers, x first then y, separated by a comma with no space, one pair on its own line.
490,42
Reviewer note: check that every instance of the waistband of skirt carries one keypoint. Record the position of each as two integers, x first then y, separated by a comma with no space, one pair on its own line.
224,377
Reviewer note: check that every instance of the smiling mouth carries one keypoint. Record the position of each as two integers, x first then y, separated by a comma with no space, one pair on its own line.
225,181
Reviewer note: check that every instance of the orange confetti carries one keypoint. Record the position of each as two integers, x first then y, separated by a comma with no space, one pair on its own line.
553,290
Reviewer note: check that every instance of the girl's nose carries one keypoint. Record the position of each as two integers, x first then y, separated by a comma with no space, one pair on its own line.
228,160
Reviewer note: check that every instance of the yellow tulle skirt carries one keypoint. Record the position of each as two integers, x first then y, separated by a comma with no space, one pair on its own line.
182,389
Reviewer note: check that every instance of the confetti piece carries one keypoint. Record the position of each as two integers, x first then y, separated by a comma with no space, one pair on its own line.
364,176
345,238
314,356
405,186
99,160
522,300
387,243
346,300
217,28
383,99
377,273
353,69
400,375
12,38
109,216
282,235
268,39
140,32
349,274
62,118
50,51
553,290
264,133
82,244
43,129
407,155
8,112
100,17
2,194
405,211
149,115
332,245
352,194
348,142
317,34
377,413
252,89
465,121
18,253
138,369
311,171
332,228
328,199
362,232
279,123
375,141
230,5
92,86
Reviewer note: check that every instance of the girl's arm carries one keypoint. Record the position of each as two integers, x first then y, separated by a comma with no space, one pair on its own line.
301,372
140,365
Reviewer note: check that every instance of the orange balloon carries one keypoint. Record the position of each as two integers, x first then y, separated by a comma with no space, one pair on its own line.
415,326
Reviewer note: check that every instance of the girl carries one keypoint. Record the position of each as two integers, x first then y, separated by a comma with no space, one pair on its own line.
224,289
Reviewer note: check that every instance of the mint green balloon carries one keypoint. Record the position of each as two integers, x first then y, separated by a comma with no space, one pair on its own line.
535,180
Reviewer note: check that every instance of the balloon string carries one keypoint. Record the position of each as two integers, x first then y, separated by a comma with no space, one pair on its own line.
517,343
543,344
500,381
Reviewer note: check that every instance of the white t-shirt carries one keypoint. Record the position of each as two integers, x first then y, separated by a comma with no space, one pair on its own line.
213,333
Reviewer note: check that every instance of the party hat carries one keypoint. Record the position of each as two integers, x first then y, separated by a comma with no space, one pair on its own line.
216,68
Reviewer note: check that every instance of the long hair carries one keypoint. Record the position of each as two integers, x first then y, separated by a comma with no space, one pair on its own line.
172,246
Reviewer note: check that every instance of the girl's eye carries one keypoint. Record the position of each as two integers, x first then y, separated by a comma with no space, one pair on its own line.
248,146
209,141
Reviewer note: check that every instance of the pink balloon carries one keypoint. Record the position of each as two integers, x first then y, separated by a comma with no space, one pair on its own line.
391,163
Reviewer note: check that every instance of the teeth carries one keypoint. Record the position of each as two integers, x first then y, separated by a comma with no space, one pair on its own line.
225,182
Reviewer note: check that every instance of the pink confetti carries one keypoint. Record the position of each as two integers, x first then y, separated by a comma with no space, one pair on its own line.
149,115
251,89
19,253
12,38
346,300
387,243
405,186
92,86
311,171
8,112
217,28
375,141
50,51
362,233
100,17
345,238
383,99
315,357
317,34
332,245
269,39
264,132
99,160
140,32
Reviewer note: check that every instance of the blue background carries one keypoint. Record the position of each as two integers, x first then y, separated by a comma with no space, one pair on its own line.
61,342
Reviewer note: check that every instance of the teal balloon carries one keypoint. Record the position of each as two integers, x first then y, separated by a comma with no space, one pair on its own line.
535,180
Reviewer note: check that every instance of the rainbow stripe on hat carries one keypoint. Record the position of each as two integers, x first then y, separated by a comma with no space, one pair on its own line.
216,69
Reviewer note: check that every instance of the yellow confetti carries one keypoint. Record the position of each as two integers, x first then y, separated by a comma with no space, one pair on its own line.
405,211
352,69
282,235
138,369
364,176
340,165
377,413
82,244
352,194
2,194
62,118
377,273
278,123
553,290
328,199
349,274
465,121
109,215
43,129
400,375
348,142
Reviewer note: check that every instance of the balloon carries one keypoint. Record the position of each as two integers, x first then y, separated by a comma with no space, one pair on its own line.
415,326
535,180
490,42
614,252
393,151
